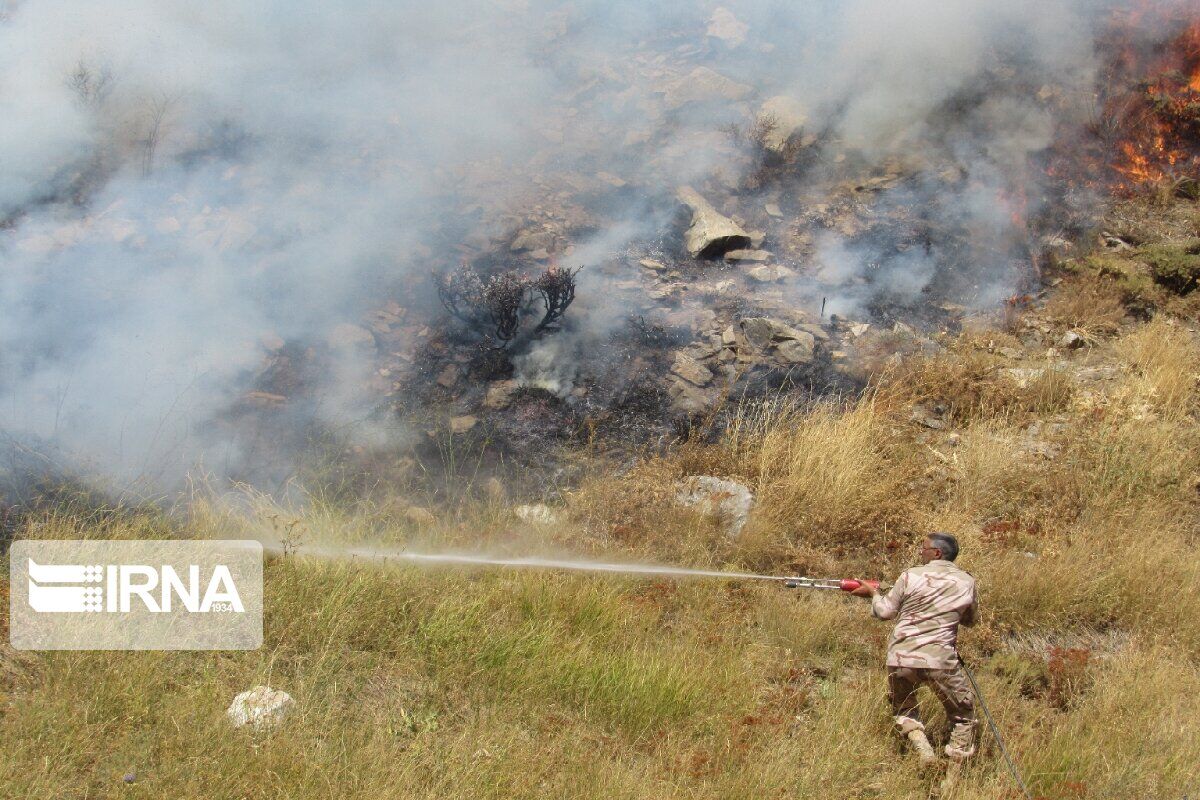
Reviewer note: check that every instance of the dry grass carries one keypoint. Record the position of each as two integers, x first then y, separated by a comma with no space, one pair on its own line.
1094,309
489,684
971,385
1165,357
822,474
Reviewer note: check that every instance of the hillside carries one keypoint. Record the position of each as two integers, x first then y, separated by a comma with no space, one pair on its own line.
1057,439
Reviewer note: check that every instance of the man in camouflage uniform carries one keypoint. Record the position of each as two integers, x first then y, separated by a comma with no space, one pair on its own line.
929,602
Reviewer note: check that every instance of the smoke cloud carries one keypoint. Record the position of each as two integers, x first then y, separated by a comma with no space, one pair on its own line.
184,184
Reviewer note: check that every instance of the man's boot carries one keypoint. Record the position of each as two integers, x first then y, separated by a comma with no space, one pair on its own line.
921,746
962,742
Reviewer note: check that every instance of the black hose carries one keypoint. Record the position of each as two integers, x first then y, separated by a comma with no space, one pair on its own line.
1012,768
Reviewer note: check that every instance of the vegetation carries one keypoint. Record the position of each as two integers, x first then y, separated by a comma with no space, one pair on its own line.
1072,489
496,304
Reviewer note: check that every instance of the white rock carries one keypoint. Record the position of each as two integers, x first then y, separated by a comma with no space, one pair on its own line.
728,501
725,26
769,273
260,707
1071,341
538,513
711,233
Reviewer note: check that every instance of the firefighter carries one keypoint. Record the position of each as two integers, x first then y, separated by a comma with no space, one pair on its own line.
929,602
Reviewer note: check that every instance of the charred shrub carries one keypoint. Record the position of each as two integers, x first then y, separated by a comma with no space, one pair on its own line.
496,305
556,288
490,363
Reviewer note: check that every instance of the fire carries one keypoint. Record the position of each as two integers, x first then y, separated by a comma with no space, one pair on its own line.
1154,100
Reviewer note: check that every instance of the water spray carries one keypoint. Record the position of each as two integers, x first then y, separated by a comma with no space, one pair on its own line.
575,565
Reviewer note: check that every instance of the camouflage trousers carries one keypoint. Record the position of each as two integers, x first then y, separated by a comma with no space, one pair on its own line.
951,687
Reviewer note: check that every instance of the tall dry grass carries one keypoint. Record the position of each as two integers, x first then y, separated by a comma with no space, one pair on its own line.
483,684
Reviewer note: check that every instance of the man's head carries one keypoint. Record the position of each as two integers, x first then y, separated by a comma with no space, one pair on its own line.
939,545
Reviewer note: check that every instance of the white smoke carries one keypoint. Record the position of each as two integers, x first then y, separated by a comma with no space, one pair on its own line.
181,180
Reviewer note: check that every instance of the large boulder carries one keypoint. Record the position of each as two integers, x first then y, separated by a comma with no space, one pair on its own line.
691,370
728,501
711,234
260,707
787,345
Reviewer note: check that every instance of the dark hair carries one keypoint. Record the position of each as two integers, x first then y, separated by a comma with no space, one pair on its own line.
946,543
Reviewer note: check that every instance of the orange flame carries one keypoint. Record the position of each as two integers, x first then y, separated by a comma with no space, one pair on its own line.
1160,127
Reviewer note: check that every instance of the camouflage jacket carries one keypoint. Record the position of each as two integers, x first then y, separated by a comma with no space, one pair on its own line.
928,603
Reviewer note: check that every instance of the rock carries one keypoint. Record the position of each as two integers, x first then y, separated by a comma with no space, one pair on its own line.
129,777
858,329
1045,450
538,513
773,209
419,516
728,501
762,332
448,376
725,26
1023,376
703,85
758,331
500,394
787,115
1071,341
711,234
814,330
769,273
928,417
687,398
691,371
462,424
351,337
610,179
795,351
260,707
532,240
747,255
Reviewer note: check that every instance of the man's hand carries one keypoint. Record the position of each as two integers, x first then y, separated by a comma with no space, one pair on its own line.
865,590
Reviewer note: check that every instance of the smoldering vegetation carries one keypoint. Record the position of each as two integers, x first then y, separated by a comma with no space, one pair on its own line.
220,224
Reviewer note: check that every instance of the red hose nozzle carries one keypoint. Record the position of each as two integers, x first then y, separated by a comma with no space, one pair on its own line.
850,584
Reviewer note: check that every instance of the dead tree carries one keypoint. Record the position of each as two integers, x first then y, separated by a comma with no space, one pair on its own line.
495,302
503,297
556,286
